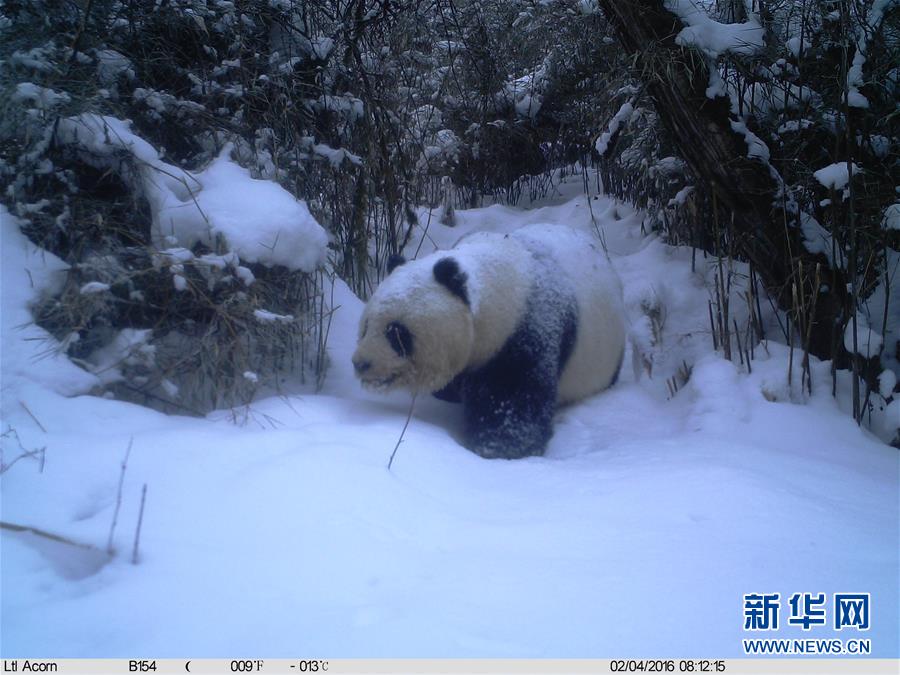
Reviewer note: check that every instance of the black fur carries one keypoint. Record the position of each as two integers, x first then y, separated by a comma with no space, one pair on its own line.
618,369
448,274
509,402
400,339
569,333
452,393
394,261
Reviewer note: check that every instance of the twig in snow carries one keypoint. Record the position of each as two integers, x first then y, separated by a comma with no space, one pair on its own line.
137,532
31,415
712,326
406,424
40,454
112,527
737,335
12,527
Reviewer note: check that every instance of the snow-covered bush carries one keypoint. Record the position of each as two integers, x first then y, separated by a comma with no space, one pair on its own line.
169,267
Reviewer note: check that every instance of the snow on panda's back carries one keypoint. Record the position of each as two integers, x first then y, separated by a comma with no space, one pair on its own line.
600,340
499,273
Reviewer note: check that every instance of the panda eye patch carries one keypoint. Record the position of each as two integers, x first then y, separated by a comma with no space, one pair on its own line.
400,339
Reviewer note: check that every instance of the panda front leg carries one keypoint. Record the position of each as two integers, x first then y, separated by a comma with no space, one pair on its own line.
509,411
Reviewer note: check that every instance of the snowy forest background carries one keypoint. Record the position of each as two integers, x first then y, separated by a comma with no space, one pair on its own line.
367,110
740,156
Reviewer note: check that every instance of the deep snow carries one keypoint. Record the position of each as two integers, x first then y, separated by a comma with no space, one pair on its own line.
277,530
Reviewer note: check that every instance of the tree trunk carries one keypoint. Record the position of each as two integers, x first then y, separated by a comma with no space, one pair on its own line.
676,79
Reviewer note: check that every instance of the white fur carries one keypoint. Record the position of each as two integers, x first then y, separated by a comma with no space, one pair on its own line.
441,324
451,337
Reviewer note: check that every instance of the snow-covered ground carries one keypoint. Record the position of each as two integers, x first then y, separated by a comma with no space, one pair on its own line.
278,531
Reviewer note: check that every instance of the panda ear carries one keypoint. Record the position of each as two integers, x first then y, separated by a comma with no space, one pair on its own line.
448,274
394,261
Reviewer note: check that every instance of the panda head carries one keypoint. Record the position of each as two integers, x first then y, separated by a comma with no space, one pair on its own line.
417,329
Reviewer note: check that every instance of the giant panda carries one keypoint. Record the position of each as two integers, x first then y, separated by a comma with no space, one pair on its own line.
511,325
